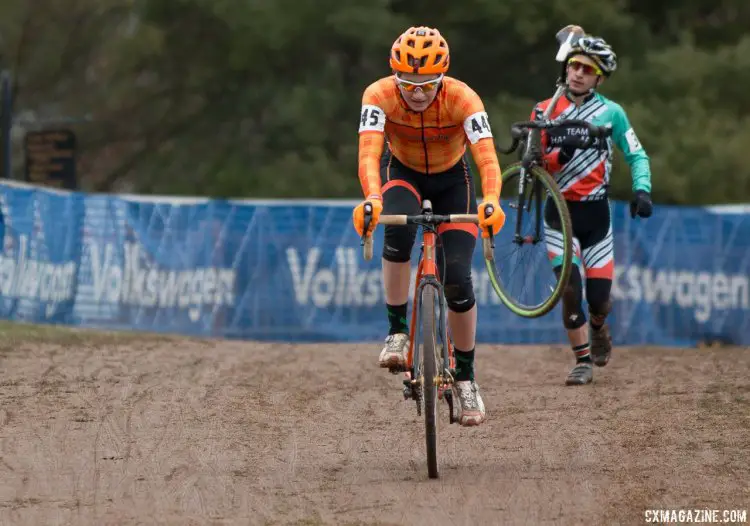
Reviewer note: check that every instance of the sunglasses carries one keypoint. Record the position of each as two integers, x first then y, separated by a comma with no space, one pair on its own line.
588,69
426,86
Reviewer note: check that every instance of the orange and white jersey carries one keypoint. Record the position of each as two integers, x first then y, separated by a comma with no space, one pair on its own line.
431,141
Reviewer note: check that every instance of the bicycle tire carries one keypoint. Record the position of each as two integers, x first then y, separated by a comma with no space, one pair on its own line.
542,308
429,371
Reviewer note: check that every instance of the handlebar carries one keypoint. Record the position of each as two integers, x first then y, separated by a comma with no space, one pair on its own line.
426,218
519,130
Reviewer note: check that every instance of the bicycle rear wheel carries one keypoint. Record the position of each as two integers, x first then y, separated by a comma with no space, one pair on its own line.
429,371
522,275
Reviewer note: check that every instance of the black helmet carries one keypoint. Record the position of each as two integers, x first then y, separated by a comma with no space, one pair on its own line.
597,50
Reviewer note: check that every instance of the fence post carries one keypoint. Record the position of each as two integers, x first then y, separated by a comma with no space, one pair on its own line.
6,121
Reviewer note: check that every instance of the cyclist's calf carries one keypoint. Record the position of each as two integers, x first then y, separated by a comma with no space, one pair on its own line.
572,300
598,295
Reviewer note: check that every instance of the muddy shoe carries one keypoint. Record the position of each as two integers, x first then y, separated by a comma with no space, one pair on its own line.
601,345
581,374
393,355
470,404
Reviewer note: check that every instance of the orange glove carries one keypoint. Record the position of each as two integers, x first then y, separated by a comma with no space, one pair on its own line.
358,217
495,221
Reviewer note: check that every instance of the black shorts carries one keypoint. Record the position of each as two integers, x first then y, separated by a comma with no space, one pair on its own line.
450,192
592,236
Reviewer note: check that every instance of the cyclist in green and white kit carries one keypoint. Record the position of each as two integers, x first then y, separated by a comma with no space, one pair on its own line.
583,176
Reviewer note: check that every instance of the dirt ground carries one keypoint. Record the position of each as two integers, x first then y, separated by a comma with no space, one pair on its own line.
100,429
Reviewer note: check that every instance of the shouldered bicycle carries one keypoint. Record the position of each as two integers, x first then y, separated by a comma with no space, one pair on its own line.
528,188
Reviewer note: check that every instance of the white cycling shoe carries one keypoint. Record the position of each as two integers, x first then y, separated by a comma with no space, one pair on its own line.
393,354
470,404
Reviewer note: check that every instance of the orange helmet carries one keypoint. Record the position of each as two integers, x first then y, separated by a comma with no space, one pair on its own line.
421,50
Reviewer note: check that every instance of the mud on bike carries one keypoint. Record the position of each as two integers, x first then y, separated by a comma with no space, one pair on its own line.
527,188
430,363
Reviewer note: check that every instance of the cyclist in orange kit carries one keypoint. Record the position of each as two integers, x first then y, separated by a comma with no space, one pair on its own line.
426,119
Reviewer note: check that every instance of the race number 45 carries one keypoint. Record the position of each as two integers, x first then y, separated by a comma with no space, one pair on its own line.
372,118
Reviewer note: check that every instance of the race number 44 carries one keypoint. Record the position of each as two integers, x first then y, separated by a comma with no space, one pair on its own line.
477,126
372,118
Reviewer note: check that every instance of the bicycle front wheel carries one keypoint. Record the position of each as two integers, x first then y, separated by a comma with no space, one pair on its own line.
521,272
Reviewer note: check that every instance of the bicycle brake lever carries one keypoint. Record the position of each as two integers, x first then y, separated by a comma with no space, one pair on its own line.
516,132
366,241
368,220
488,211
508,151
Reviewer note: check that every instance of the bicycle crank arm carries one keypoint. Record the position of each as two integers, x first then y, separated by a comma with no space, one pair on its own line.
451,415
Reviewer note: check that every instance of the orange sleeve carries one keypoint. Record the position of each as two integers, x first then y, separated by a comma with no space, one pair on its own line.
371,140
551,159
476,124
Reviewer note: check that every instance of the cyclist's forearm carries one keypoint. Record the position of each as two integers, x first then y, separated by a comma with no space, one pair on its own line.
640,171
635,154
485,157
370,151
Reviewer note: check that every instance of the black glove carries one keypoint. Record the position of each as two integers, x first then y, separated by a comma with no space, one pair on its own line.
566,154
641,204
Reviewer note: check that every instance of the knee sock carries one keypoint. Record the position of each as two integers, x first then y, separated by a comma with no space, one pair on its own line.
397,319
464,365
582,353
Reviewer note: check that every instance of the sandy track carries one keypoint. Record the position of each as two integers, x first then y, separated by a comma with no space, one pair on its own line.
191,432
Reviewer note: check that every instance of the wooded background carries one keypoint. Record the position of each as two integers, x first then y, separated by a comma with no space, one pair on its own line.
261,98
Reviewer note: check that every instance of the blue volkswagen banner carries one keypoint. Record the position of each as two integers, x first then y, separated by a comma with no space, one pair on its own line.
293,271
